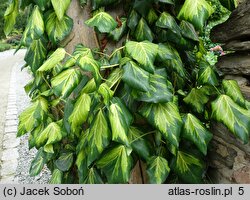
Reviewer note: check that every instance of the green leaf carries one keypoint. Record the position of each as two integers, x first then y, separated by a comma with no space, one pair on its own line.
80,112
34,29
64,162
143,32
50,135
103,21
53,60
144,53
57,177
229,4
152,16
57,29
93,177
98,138
232,89
60,7
81,163
197,98
120,120
10,16
133,19
139,145
135,76
88,63
160,90
234,117
119,32
189,168
167,1
106,93
36,54
101,3
206,75
188,31
196,12
37,163
65,82
170,58
32,115
164,117
41,3
195,131
157,170
116,164
167,21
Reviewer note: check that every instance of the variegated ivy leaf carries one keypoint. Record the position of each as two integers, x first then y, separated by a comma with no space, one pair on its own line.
139,145
160,90
170,58
196,12
234,117
57,29
37,163
36,54
144,53
143,32
53,60
101,3
133,19
10,16
152,16
164,117
80,50
188,31
103,21
60,7
195,131
34,29
206,75
189,168
116,164
106,93
80,112
65,82
229,4
65,161
157,169
50,135
135,76
120,121
93,177
88,63
232,89
57,177
98,137
32,115
197,98
119,32
167,21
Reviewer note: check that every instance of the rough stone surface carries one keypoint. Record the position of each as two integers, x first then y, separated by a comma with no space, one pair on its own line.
235,64
10,154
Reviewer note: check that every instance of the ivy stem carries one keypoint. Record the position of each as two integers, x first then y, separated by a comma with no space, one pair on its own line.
109,66
116,51
103,54
216,89
46,81
148,133
69,55
117,85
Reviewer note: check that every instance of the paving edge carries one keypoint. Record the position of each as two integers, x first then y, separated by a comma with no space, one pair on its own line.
10,154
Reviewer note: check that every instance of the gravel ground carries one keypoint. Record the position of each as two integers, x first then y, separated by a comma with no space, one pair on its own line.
26,155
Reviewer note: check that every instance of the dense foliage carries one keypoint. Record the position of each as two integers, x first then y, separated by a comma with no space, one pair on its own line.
93,115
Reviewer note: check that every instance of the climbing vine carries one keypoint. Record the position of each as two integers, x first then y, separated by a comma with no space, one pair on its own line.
95,114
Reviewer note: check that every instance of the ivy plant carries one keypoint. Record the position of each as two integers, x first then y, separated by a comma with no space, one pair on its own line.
94,115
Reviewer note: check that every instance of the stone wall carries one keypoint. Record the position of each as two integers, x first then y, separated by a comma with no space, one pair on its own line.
229,157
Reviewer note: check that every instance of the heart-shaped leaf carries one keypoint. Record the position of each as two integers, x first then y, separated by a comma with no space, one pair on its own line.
103,22
144,53
64,162
143,32
60,7
10,16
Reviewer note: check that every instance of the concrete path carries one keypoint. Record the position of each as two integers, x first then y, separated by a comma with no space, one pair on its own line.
8,114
